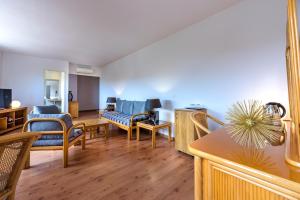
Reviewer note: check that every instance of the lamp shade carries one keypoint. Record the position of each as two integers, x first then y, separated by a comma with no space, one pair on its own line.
111,100
153,103
15,104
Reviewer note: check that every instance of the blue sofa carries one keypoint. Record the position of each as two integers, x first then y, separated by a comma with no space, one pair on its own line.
56,129
126,115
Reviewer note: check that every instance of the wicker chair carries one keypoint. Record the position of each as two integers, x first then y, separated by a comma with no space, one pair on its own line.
200,119
14,150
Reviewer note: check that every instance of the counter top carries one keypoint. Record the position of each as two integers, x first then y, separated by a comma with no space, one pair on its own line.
269,162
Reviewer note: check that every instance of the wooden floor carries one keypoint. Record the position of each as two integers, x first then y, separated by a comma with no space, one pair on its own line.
117,169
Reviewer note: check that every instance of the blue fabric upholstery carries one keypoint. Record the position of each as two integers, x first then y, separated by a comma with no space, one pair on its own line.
46,110
127,107
52,139
119,105
57,141
138,107
123,118
49,126
124,111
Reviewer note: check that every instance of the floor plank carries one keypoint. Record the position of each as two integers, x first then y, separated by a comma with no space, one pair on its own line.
117,169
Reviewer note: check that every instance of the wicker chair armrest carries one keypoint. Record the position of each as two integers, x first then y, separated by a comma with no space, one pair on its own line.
216,120
18,136
198,124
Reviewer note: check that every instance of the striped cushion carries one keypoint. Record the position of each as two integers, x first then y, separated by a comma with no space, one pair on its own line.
123,118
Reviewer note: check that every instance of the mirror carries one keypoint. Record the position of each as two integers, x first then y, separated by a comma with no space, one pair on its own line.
54,89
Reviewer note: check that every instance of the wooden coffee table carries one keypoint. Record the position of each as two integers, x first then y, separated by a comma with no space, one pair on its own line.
153,127
93,126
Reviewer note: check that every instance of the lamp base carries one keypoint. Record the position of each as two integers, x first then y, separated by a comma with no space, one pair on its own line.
154,116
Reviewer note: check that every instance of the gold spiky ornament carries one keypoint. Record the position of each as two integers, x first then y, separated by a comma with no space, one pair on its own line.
251,126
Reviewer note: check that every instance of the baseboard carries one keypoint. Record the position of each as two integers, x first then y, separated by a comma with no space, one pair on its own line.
166,136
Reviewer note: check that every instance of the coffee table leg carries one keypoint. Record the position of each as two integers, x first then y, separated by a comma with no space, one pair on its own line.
170,133
106,131
138,133
91,134
153,138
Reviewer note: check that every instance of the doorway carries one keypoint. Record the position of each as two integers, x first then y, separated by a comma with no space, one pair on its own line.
85,90
54,89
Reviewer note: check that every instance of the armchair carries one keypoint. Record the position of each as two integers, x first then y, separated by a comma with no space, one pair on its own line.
57,133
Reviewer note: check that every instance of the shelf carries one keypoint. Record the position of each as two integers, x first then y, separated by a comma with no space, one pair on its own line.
11,129
19,118
16,118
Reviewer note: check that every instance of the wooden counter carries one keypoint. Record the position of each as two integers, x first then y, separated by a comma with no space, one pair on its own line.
226,170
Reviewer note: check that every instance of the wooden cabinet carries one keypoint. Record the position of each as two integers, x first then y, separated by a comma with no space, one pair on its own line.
74,109
226,170
11,119
185,132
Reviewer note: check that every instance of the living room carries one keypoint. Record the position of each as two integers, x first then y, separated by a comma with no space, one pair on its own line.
146,94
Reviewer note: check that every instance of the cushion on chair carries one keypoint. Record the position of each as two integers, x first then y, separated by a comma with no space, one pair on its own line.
49,125
127,107
52,141
53,109
138,107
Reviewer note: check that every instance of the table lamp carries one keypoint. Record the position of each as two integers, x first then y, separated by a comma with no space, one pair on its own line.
150,105
111,103
15,104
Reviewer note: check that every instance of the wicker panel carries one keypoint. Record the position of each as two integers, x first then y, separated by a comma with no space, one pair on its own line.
9,156
225,186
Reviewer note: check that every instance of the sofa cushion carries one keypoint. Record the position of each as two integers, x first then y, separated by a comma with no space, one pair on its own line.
138,107
53,109
123,118
119,105
127,107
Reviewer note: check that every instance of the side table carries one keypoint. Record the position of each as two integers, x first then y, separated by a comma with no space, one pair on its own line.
153,127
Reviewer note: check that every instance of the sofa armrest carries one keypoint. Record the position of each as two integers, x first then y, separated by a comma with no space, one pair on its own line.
136,115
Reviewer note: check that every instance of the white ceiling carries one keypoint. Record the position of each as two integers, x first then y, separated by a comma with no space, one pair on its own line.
95,32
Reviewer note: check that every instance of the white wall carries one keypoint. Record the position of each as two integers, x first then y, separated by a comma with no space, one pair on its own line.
235,55
25,76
